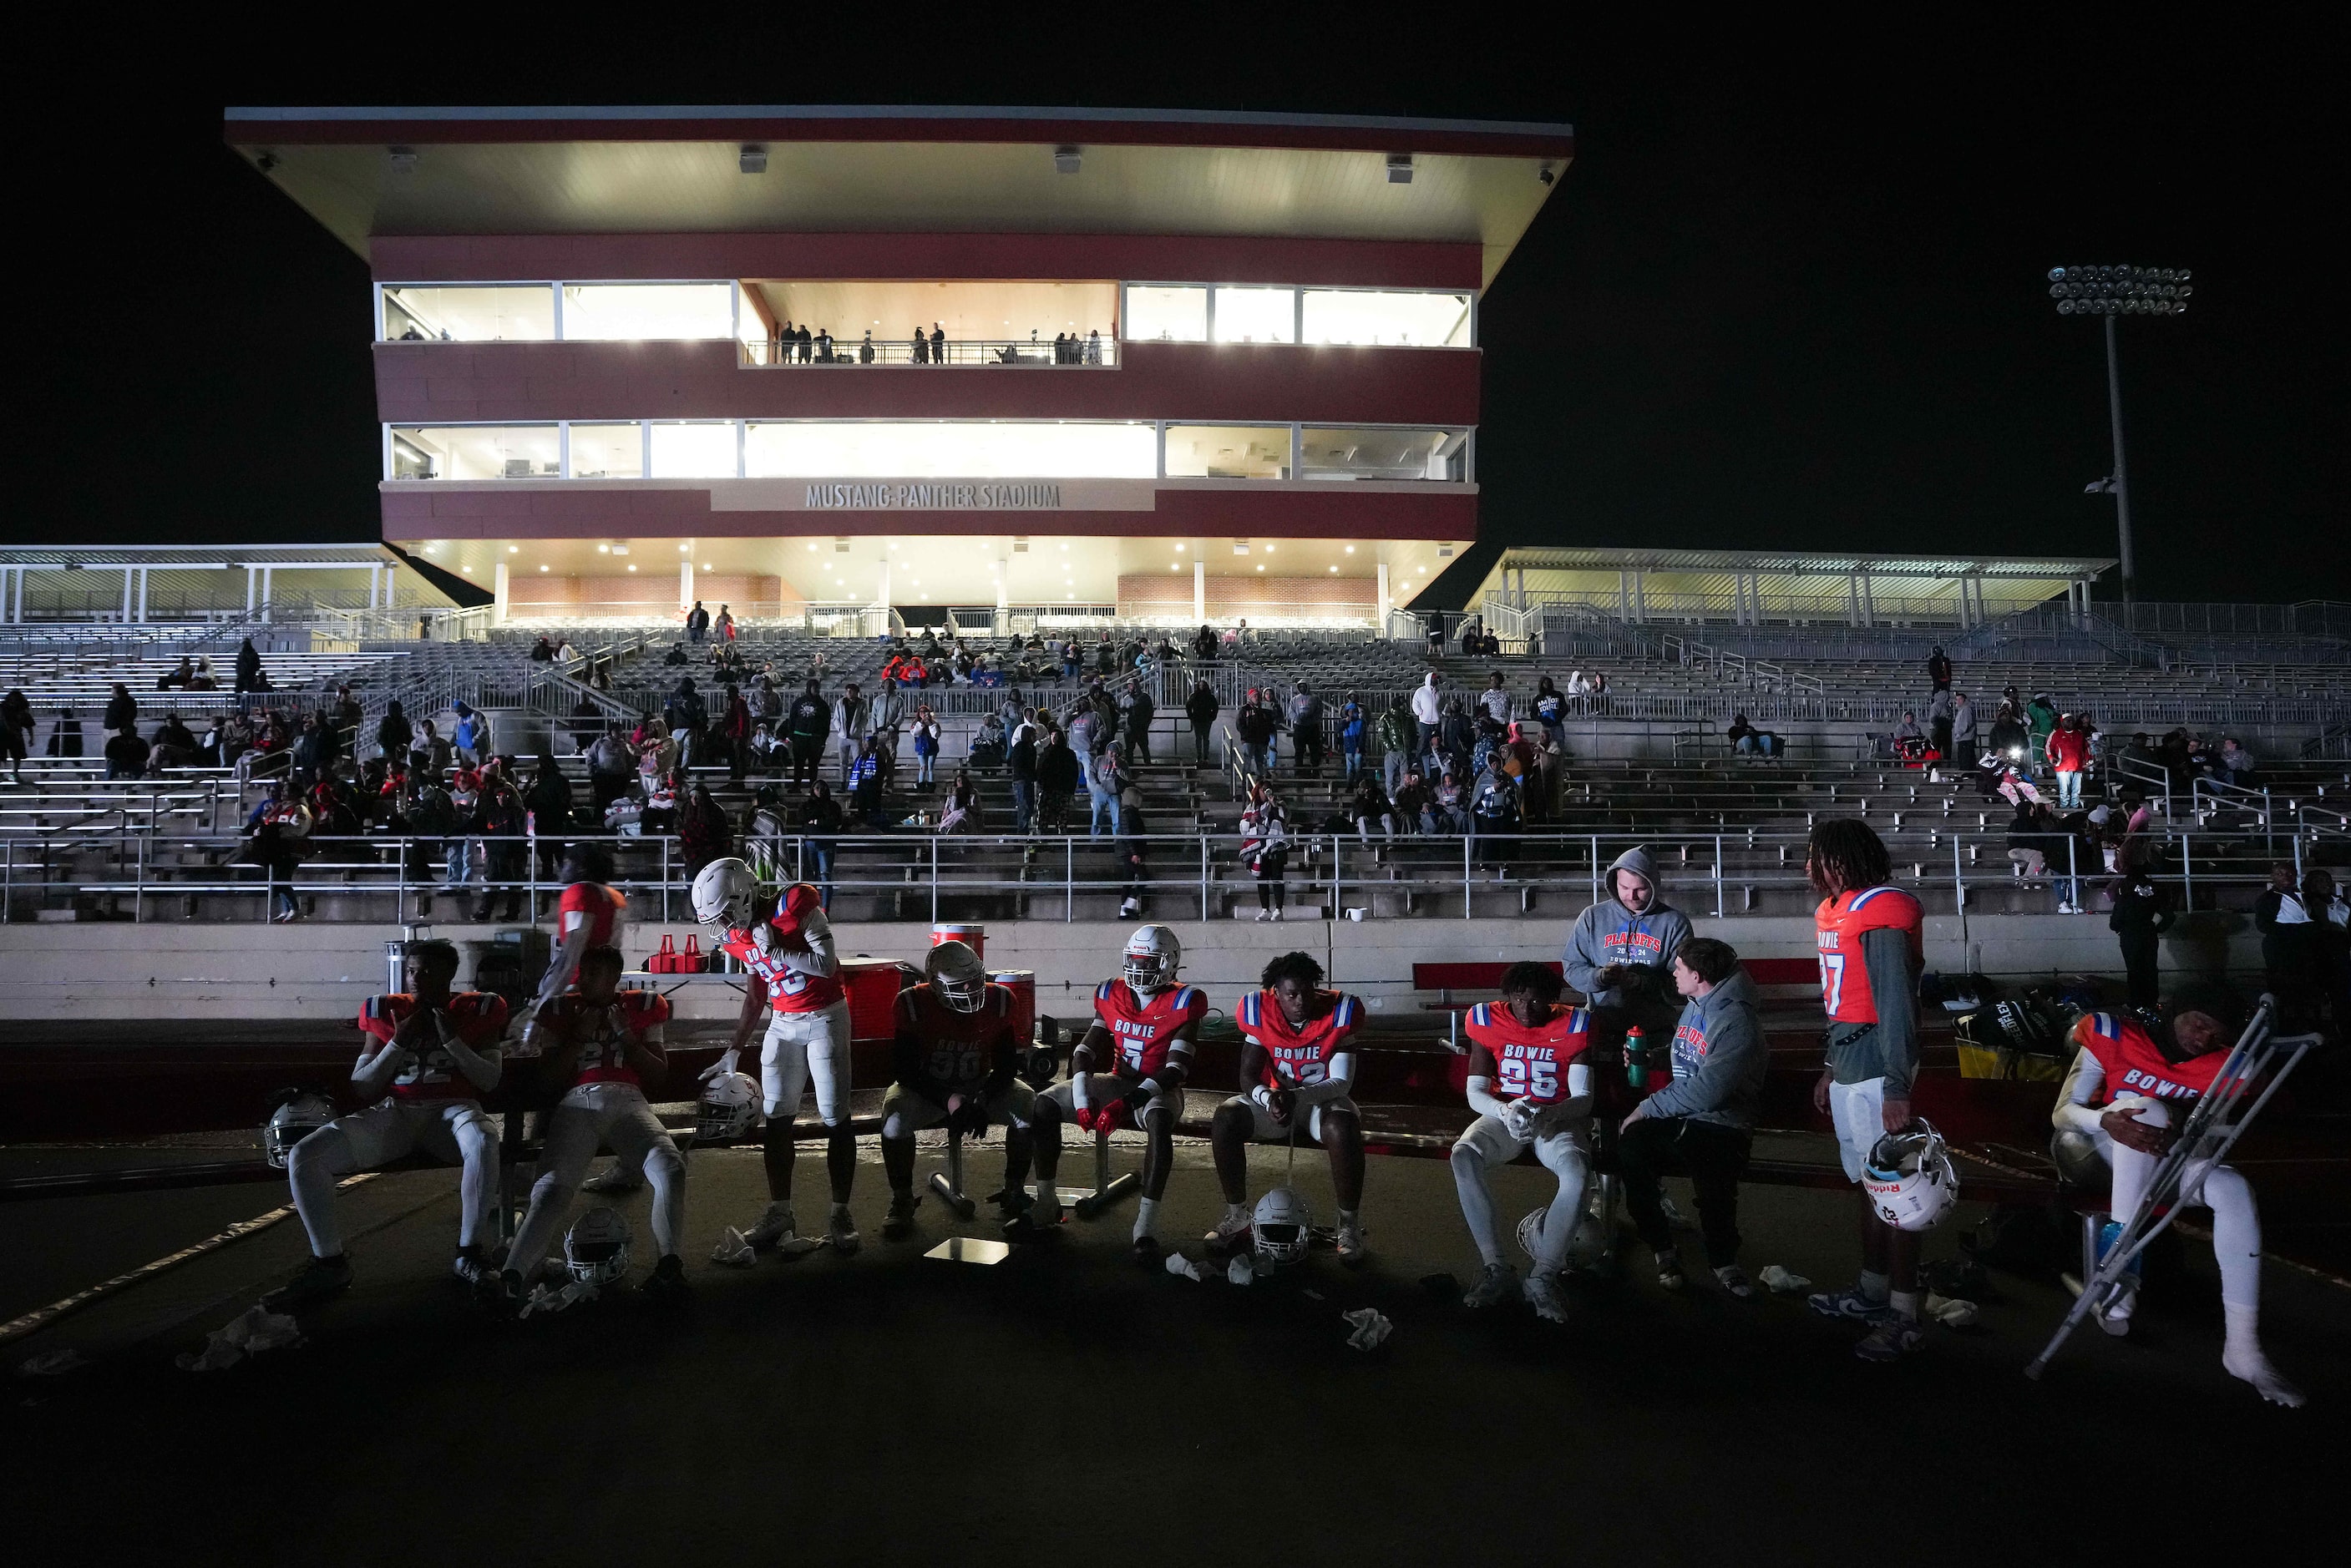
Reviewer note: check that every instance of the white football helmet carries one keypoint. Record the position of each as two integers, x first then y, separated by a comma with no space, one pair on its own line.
725,895
957,977
1151,958
292,1122
728,1107
1587,1247
596,1252
1909,1179
1279,1231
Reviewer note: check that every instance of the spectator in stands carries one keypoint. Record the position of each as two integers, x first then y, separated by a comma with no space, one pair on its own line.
471,738
1265,850
1445,814
1617,955
1907,730
1470,640
1201,707
547,800
2330,946
2009,732
1132,848
1203,645
1354,730
1410,803
1496,698
768,702
697,623
924,728
1253,728
1057,775
1494,808
275,830
1020,763
1702,1123
250,676
15,730
1135,713
1457,738
1394,729
820,821
1962,748
807,723
676,655
1549,711
1749,741
1370,807
393,733
863,785
1941,710
2142,913
178,676
429,752
1305,720
610,764
121,709
1938,672
174,746
726,624
2040,723
2067,750
704,833
960,808
2289,952
1110,781
2237,764
500,827
542,652
2029,841
734,732
1435,633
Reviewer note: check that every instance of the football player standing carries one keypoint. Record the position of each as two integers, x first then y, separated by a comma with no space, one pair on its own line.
795,980
2122,1103
430,1053
604,1042
1129,1072
1297,1063
958,1057
1532,1089
1871,943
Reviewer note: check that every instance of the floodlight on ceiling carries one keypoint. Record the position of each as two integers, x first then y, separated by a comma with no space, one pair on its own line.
1066,160
401,159
1399,168
752,159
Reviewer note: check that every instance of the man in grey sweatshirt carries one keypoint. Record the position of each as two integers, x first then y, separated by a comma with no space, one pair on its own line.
1700,1124
1616,956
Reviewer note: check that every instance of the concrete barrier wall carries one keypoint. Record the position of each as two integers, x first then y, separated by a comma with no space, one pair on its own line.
154,972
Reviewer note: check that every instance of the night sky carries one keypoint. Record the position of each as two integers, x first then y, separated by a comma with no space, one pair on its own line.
1791,293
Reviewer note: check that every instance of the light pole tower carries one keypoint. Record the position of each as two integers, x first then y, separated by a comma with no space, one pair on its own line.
2112,291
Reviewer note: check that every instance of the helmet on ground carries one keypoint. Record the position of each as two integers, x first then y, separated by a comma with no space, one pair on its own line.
1278,1232
1909,1179
295,1119
957,977
1585,1248
596,1252
724,894
729,1104
1151,958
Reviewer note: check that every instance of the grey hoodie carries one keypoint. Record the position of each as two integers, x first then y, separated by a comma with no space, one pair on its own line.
1720,1058
1610,933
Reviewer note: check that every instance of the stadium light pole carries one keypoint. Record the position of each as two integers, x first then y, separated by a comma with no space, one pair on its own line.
2112,291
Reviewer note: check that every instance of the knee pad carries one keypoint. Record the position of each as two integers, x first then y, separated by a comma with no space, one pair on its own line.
894,1128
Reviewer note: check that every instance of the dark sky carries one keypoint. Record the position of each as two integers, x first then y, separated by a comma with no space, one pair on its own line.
1791,293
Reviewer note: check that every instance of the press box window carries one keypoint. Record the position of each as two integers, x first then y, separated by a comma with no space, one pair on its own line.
1257,315
1163,315
497,313
692,451
1388,455
609,451
475,452
1228,452
631,311
1377,317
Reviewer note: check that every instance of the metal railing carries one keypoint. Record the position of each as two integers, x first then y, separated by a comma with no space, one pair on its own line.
1035,353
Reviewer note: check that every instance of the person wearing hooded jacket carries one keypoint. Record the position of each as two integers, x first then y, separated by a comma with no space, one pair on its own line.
1702,1121
1617,955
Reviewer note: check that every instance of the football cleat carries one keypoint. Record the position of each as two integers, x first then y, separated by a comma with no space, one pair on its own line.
471,1268
899,1224
618,1179
1542,1294
1669,1271
1351,1239
1733,1279
1892,1340
1147,1250
1496,1284
1850,1306
1232,1231
320,1279
667,1282
841,1231
776,1227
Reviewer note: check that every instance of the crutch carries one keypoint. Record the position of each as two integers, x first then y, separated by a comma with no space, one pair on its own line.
2211,1131
948,1183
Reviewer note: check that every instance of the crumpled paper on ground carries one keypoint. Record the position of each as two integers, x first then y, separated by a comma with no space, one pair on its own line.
1181,1266
52,1363
732,1251
798,1247
1241,1271
1372,1328
1951,1311
545,1300
250,1333
1780,1282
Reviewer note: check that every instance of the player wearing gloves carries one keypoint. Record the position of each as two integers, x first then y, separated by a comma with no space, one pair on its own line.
1870,945
795,983
1129,1072
1530,1089
1298,1064
603,1043
429,1053
1698,1123
957,1056
2124,1094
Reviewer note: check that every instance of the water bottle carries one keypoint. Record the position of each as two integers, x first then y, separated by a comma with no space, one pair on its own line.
1637,1059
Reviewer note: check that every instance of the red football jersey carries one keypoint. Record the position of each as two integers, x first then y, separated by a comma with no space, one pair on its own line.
1297,1057
788,990
2135,1065
959,1049
1844,978
602,1029
479,1019
591,904
1141,1031
1530,1061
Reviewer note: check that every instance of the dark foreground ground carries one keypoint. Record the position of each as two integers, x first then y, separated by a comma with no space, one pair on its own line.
1066,1404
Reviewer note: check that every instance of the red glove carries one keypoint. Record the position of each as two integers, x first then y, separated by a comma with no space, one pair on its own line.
1110,1116
1086,1117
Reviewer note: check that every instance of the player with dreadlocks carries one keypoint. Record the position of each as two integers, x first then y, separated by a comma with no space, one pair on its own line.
1871,948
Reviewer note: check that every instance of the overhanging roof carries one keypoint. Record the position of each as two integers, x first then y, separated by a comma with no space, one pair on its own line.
1791,563
579,169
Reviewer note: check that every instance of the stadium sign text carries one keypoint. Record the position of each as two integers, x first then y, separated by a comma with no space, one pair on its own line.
919,497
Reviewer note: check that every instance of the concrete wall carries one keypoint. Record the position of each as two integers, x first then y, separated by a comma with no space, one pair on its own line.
223,972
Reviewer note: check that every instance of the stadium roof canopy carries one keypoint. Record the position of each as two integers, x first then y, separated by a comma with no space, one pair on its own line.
365,173
1790,563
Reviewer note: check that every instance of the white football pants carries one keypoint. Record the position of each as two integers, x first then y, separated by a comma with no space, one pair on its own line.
456,1132
801,1047
590,1117
1488,1142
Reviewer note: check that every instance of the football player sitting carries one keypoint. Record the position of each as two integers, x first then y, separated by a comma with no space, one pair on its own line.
429,1052
1128,1072
2123,1099
958,1057
1532,1089
603,1040
1298,1063
795,981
